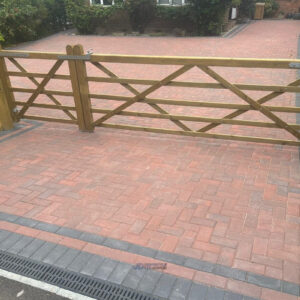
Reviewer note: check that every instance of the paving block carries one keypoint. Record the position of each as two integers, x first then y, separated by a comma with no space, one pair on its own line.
265,282
9,241
20,244
214,294
92,238
26,222
105,268
31,248
199,265
4,234
164,286
197,292
55,254
181,289
170,257
8,217
69,232
230,272
119,273
67,258
116,244
232,296
92,265
47,227
291,288
145,251
149,280
133,278
43,251
80,261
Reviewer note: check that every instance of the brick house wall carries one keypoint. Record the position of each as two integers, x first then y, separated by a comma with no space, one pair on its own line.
289,6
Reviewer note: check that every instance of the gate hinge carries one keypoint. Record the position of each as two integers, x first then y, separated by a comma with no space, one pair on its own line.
14,54
295,65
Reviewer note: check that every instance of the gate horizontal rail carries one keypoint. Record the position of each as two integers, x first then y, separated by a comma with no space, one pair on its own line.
82,113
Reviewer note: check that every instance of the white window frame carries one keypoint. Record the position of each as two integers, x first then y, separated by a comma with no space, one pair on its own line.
183,2
102,3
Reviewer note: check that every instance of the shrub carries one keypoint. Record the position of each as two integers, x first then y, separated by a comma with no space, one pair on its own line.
207,16
1,38
23,20
87,18
176,13
57,18
141,12
271,8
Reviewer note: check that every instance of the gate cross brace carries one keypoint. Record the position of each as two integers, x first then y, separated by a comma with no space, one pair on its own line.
143,94
256,105
40,87
239,112
136,92
32,79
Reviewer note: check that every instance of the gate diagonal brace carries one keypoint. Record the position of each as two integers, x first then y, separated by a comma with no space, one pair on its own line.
255,104
136,92
32,79
40,87
143,94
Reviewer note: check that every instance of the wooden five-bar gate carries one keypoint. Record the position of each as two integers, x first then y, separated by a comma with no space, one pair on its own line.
82,113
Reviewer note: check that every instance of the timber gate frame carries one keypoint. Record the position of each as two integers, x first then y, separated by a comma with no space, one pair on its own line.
83,116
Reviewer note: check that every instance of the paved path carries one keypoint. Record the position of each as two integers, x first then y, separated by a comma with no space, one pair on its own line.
228,204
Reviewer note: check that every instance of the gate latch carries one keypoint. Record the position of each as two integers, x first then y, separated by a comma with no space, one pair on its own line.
295,65
76,57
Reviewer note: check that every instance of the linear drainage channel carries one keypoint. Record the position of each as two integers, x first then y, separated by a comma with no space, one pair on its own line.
78,283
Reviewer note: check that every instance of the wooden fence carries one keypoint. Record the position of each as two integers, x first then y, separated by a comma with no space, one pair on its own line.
83,114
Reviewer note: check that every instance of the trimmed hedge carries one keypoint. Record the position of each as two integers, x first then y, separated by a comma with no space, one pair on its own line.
24,20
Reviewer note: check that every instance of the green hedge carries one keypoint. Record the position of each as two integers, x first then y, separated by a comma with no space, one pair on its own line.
87,18
206,16
24,20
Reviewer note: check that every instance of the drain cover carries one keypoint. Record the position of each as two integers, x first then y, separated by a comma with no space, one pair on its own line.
78,283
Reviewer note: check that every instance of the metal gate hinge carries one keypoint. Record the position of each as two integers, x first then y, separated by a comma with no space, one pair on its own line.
295,65
12,54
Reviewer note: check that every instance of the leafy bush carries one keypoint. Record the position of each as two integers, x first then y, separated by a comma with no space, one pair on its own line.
141,12
57,18
271,7
176,13
87,18
207,16
23,20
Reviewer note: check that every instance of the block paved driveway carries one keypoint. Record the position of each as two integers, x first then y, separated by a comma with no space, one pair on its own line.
229,203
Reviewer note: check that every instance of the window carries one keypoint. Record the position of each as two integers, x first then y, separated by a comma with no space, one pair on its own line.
171,2
102,2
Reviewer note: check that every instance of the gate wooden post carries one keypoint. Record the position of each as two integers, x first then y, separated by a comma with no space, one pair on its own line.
80,88
7,100
6,120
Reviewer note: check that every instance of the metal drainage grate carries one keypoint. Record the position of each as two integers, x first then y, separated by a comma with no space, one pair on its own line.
78,283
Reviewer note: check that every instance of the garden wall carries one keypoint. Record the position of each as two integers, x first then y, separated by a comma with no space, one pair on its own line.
289,6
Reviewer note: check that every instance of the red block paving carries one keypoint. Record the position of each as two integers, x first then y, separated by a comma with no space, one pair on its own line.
231,203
